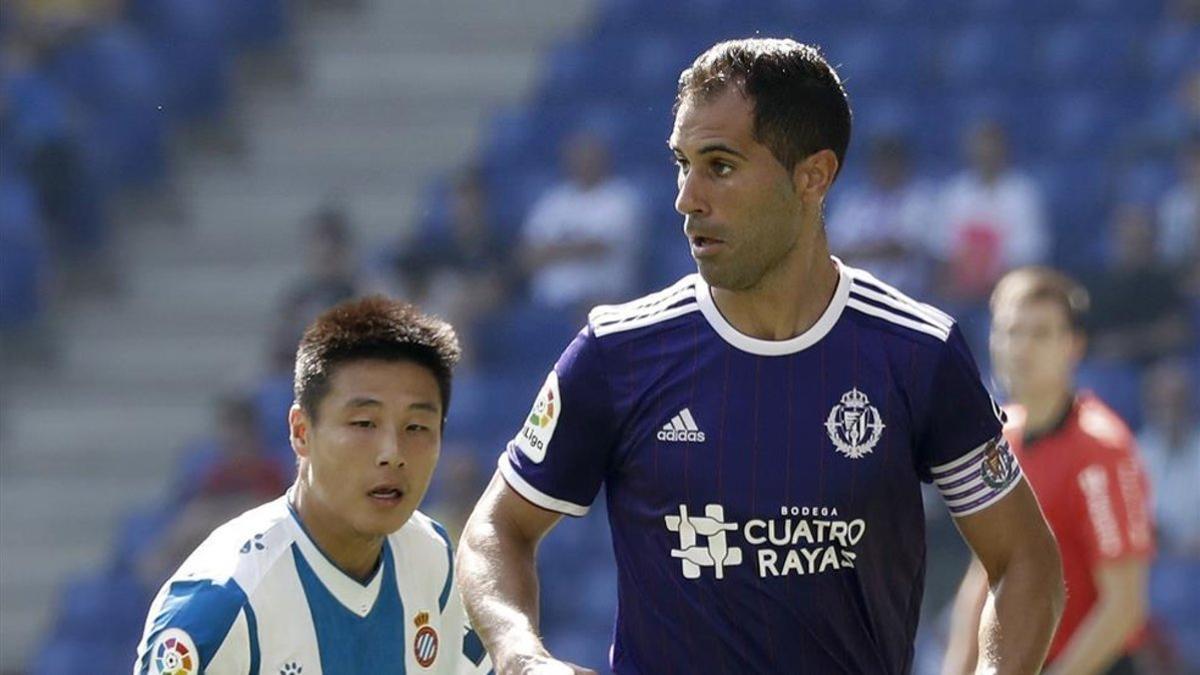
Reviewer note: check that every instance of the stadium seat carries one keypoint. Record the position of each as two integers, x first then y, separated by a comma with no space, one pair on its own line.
986,55
1076,123
193,42
116,77
872,58
1171,51
1072,53
1118,385
525,336
272,399
23,271
254,23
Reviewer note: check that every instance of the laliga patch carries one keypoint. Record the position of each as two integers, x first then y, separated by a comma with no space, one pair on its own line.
175,654
539,426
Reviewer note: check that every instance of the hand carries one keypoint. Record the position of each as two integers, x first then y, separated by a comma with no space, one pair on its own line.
543,665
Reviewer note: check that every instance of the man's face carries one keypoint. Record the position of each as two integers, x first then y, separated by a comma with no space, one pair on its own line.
1034,349
370,455
742,212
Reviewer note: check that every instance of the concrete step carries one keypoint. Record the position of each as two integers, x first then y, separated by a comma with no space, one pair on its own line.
155,429
49,510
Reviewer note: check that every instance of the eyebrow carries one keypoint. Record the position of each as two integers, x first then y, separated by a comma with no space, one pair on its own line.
710,148
363,402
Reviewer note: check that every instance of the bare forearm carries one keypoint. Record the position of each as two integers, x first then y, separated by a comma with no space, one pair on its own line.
962,648
1028,604
1100,638
497,576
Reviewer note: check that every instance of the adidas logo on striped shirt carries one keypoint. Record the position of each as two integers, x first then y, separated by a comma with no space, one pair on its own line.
681,429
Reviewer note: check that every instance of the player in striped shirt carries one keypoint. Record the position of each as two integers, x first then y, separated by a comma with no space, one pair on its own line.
762,428
1088,476
342,575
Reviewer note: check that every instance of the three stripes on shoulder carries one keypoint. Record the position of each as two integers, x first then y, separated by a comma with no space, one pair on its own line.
875,298
674,301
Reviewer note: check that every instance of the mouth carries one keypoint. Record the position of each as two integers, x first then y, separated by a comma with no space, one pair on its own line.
386,494
703,246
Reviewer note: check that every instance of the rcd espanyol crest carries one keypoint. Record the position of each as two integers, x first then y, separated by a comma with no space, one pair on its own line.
854,425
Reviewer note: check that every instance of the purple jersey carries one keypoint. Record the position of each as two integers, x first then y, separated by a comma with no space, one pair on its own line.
764,496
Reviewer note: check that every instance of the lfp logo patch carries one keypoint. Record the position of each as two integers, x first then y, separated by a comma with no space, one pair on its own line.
175,654
425,644
539,427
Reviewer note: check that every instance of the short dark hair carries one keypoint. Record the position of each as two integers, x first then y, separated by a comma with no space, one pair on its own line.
373,327
800,106
1042,283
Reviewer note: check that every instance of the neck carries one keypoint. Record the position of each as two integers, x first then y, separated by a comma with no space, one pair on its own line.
352,553
1044,409
789,299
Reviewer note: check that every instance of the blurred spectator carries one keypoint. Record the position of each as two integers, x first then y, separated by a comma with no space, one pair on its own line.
42,140
1138,313
1170,442
881,225
580,243
1179,219
992,219
458,270
215,483
243,465
331,276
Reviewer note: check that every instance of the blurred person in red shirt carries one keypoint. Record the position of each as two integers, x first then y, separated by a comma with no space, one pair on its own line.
1085,469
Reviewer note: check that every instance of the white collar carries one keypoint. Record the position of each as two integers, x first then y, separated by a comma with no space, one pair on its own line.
354,596
776,347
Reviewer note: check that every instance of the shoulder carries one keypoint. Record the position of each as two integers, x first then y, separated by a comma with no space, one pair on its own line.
900,314
648,313
243,549
1105,432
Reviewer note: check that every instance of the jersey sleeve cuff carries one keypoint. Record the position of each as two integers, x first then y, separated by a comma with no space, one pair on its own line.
534,495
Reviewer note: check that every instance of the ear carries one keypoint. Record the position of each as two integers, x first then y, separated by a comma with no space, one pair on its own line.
1079,347
813,176
299,428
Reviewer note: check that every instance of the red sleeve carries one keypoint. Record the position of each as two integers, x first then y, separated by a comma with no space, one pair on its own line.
1115,506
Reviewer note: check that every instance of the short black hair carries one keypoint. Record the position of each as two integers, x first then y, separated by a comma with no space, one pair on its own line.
800,106
374,327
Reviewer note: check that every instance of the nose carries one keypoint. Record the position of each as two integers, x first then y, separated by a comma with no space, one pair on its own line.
391,451
691,201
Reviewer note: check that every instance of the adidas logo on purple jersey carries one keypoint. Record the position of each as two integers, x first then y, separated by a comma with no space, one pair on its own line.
681,429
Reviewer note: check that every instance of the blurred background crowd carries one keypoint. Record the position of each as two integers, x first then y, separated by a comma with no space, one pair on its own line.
184,184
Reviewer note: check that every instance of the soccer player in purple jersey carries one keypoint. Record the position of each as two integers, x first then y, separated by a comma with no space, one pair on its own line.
762,428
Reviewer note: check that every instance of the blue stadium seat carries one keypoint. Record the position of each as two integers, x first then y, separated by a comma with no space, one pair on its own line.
140,530
1118,385
832,11
254,23
116,77
1078,122
1171,51
1074,54
515,189
1175,599
273,398
23,271
988,54
525,336
885,115
872,58
192,39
